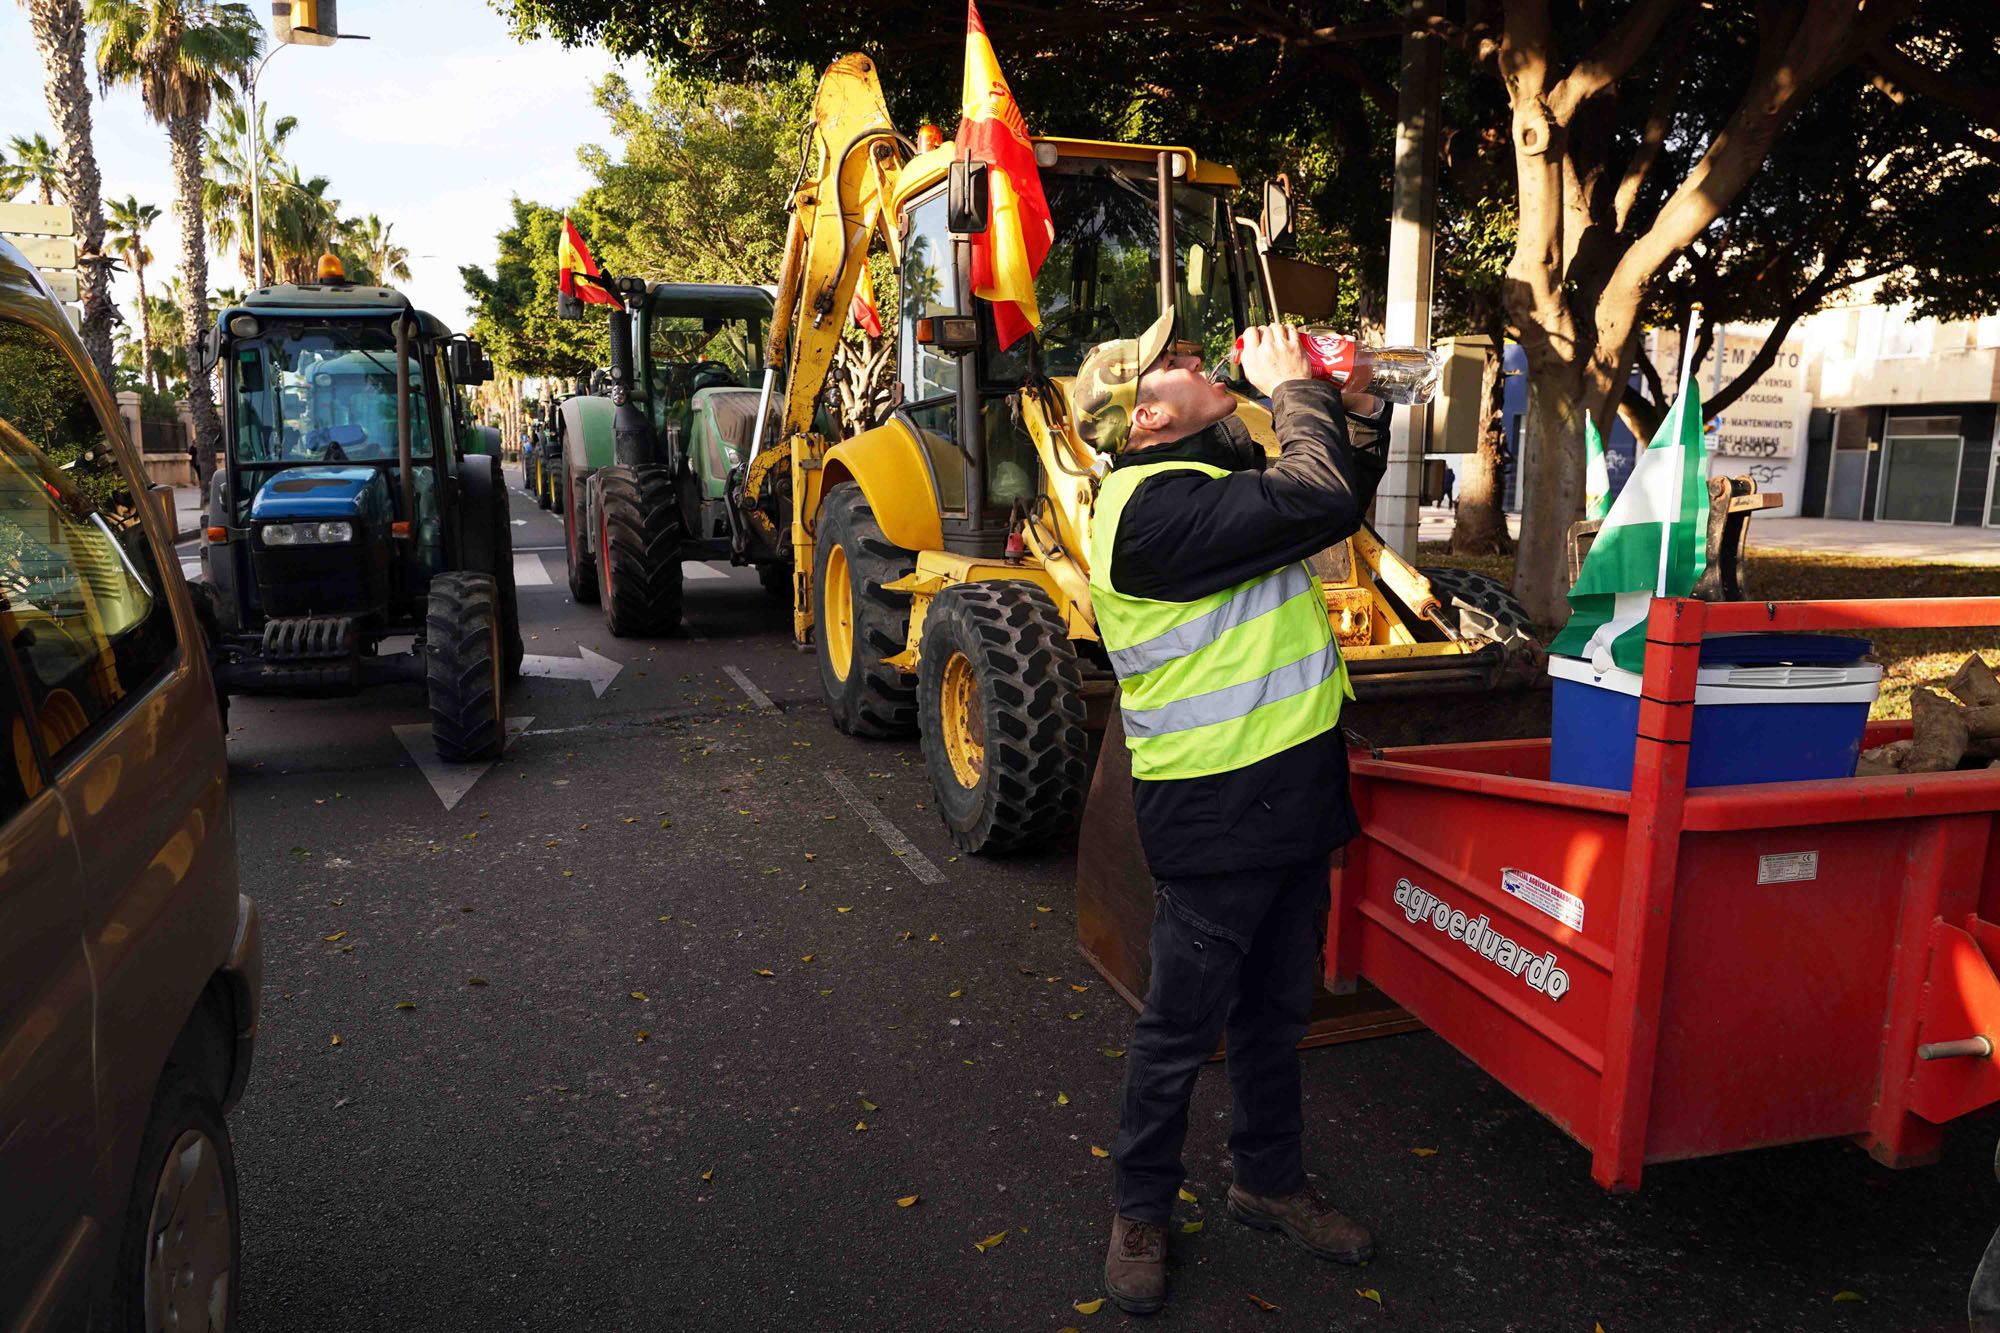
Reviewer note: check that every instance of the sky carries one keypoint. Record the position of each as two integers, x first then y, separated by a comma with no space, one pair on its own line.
434,125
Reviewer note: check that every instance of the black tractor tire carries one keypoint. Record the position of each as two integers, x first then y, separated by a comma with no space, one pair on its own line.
462,668
1489,600
577,542
865,696
638,550
1000,698
185,1147
776,580
512,649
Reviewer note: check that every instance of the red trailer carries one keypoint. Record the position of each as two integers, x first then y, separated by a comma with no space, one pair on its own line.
1669,973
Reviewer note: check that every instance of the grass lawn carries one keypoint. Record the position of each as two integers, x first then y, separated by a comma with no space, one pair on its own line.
1909,658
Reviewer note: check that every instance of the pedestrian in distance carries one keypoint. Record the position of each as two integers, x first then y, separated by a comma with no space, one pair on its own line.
1231,688
1450,497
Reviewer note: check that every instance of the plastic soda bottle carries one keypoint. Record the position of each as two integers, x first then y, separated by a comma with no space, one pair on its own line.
1400,374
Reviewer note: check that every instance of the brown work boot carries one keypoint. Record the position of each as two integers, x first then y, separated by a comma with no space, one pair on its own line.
1307,1219
1135,1271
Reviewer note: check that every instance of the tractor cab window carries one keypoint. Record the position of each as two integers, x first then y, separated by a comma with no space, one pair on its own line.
322,393
82,605
688,353
929,288
1101,278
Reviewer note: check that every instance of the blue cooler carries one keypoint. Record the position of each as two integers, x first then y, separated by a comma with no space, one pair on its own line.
1767,708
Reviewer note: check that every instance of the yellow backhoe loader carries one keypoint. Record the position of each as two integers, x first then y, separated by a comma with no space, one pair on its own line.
941,560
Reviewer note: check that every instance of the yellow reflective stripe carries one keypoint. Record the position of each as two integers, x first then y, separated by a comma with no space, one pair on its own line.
1235,701
1246,603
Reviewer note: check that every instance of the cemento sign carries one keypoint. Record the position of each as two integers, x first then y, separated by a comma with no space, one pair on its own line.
1764,422
1539,971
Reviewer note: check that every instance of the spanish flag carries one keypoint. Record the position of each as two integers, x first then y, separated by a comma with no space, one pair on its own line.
580,281
1005,259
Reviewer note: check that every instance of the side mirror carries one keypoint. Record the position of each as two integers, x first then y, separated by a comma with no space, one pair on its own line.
1309,291
468,363
211,349
968,199
1277,220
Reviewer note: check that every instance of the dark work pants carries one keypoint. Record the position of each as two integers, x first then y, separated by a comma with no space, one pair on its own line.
1239,953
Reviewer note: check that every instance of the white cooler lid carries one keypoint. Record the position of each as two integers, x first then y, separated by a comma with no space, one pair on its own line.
1743,684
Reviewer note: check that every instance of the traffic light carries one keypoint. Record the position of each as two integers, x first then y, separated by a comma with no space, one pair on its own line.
305,22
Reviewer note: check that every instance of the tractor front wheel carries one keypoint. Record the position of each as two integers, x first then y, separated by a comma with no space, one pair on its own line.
858,621
1000,695
462,664
638,549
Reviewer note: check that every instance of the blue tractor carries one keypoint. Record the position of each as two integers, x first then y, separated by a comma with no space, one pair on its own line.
358,506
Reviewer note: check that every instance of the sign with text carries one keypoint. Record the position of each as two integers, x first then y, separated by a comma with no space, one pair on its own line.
1764,420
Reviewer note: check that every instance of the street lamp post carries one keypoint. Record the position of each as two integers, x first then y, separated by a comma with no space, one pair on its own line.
286,38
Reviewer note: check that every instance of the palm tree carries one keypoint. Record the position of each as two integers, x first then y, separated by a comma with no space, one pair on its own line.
302,223
182,54
36,166
369,237
130,221
58,28
233,155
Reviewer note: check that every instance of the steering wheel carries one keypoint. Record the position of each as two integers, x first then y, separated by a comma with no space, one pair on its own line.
1082,326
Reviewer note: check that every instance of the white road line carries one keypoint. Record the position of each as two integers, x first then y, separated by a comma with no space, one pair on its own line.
191,570
529,571
878,824
519,550
749,687
695,569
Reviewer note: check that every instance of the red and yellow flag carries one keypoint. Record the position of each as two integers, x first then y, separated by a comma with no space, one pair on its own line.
1019,231
579,281
862,309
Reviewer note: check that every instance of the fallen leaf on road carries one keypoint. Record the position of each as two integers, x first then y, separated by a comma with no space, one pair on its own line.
1423,1152
809,856
1260,1302
708,1174
638,995
861,1127
843,909
470,836
935,938
806,957
957,993
984,1245
1188,1198
581,827
968,1062
1848,1296
475,981
643,1034
666,823
336,1039
336,902
1062,1099
300,851
1369,1294
1089,1307
569,874
907,1201
468,909
663,918
867,1105
405,1004
1096,1151
631,819
1113,1051
1073,1017
1040,908
1078,988
825,993
765,972
336,937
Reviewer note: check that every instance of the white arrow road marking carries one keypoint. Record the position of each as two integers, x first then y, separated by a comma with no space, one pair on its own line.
520,522
695,569
749,687
596,668
529,571
878,824
450,781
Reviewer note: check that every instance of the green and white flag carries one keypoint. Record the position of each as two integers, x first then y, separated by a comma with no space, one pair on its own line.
1596,472
1654,541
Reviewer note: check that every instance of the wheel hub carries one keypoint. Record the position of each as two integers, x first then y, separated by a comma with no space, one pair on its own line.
964,721
188,1240
839,628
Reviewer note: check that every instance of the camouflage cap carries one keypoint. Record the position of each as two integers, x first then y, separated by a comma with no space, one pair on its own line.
1105,392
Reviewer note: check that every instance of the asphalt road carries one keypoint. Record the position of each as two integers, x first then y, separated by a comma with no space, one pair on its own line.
594,1047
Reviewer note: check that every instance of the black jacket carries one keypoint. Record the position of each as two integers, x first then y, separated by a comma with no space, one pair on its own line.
1184,536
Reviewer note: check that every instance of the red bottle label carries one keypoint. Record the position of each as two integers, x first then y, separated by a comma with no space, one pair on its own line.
1330,354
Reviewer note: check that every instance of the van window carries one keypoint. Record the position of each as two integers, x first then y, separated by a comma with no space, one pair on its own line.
85,610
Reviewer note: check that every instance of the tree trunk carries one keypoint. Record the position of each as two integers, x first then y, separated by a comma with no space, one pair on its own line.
145,323
1480,518
1551,486
184,137
58,26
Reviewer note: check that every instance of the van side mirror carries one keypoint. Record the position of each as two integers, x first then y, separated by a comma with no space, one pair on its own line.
968,199
1277,220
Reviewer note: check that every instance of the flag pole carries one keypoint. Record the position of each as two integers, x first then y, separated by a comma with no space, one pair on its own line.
1680,453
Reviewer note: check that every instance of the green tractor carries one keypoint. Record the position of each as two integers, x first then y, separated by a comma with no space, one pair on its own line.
359,504
649,465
